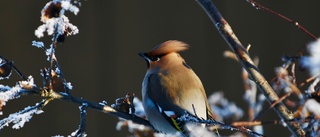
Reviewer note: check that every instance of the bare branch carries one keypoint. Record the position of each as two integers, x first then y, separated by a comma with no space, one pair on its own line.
295,23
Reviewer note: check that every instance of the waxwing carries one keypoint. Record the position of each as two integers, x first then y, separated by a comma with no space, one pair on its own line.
171,89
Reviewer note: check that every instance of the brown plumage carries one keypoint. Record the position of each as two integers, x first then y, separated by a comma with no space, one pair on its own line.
170,88
167,47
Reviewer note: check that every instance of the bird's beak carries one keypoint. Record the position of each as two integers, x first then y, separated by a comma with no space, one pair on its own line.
142,54
145,56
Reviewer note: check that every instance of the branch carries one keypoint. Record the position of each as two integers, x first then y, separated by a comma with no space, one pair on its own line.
81,131
214,124
295,23
23,116
227,33
52,95
102,107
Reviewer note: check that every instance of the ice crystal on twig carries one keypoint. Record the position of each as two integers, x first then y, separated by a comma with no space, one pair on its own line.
81,131
52,15
222,108
38,44
8,93
312,62
139,110
199,131
311,106
20,118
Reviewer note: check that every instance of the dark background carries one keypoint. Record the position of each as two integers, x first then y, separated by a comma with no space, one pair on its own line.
102,61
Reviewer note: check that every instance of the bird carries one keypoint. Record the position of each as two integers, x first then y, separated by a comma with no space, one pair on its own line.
171,89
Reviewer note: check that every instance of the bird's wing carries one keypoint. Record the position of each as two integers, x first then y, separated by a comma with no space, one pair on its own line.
209,112
164,104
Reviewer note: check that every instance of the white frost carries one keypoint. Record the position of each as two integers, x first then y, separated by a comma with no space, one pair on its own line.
222,108
139,110
8,93
40,30
199,131
69,86
312,106
68,6
61,24
73,134
20,118
37,44
29,82
312,62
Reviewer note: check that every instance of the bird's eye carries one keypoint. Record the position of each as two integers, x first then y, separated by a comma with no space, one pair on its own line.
155,58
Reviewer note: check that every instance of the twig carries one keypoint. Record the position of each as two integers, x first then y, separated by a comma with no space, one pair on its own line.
295,23
23,116
293,74
246,123
257,123
280,100
227,33
81,131
19,73
309,79
213,124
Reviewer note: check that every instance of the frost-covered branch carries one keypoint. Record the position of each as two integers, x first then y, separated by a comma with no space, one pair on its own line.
52,95
55,86
226,32
194,119
23,116
81,131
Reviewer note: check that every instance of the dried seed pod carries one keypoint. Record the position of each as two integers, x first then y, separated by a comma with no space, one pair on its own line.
5,68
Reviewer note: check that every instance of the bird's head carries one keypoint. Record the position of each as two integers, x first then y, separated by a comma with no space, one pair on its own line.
165,54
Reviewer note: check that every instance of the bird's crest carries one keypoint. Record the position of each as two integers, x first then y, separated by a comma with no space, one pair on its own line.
168,47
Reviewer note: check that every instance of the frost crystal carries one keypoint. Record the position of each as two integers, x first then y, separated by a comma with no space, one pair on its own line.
8,93
38,44
58,71
258,129
69,86
222,108
52,15
138,107
177,134
74,134
40,30
312,106
68,6
27,83
50,52
198,131
312,62
20,118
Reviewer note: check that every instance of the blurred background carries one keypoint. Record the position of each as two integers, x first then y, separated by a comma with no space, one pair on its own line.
102,63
